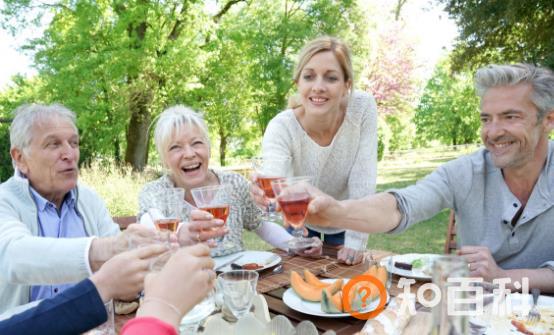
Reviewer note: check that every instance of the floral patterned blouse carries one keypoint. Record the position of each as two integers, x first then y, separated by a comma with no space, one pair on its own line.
243,211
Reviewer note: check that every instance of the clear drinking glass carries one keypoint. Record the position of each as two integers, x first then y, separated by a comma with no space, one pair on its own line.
267,170
215,200
192,320
448,317
293,198
239,289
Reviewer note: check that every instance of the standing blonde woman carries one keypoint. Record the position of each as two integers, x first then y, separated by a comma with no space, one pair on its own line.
329,132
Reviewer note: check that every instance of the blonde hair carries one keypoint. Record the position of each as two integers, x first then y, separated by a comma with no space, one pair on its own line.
322,44
172,120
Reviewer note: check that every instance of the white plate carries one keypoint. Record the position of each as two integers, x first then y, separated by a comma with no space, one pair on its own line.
423,273
265,258
291,299
501,324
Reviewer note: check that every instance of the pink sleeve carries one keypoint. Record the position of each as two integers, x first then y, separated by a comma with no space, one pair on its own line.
146,325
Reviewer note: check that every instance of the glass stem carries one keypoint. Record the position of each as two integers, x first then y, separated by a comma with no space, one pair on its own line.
298,232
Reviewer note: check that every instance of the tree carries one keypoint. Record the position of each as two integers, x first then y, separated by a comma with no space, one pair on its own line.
449,109
502,31
389,74
276,30
22,92
117,62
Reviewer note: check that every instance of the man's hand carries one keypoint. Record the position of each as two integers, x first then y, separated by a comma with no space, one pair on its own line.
201,228
350,256
323,210
104,248
122,276
481,263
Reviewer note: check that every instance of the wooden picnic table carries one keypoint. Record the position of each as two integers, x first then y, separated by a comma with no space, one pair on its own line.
272,286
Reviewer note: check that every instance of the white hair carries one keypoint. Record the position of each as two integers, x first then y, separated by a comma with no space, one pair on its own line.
541,80
171,121
26,117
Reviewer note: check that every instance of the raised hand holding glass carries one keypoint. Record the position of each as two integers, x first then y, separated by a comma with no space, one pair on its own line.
214,199
268,170
293,198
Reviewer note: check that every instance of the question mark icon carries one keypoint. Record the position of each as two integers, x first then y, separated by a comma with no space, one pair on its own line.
367,291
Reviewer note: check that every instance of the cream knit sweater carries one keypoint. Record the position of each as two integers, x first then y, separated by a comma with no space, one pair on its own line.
345,169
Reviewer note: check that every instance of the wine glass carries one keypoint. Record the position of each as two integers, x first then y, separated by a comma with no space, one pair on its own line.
267,170
293,198
170,204
239,289
192,320
214,199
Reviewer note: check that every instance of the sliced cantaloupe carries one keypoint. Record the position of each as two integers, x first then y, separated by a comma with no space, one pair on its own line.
331,297
382,275
313,280
331,303
303,289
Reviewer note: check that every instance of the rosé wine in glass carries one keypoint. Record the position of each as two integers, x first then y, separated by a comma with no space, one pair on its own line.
267,170
293,198
214,199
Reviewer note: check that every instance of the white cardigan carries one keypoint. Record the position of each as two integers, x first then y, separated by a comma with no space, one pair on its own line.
28,259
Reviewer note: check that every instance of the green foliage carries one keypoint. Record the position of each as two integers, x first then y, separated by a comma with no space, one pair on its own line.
6,170
272,33
502,31
449,109
118,187
23,91
118,64
389,73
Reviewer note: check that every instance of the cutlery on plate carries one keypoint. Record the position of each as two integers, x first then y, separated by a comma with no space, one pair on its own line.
228,262
534,314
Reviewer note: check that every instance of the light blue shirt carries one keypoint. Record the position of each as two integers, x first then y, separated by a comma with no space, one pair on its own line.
63,224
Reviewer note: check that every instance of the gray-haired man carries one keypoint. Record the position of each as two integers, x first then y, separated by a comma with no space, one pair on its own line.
48,221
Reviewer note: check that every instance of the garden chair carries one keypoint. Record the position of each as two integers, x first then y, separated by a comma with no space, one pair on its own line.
450,243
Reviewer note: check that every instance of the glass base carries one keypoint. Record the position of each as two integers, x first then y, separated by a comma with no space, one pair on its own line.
300,243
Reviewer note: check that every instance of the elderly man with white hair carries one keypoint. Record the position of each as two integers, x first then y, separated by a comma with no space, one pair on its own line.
53,230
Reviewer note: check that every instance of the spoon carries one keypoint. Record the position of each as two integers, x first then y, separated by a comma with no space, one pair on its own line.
278,269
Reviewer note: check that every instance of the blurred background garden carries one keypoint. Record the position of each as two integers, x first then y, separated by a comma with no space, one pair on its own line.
118,64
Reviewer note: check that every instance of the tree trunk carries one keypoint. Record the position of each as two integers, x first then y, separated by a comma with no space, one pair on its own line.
222,147
136,153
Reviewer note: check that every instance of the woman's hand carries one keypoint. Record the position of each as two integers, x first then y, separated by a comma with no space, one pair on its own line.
350,256
184,281
202,227
257,194
316,250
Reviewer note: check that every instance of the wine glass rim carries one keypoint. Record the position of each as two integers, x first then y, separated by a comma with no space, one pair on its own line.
210,188
292,179
251,274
